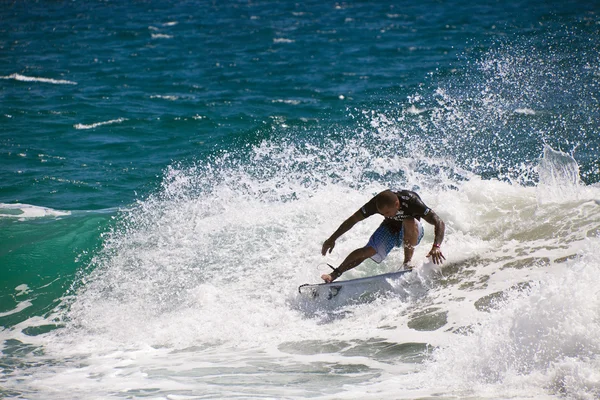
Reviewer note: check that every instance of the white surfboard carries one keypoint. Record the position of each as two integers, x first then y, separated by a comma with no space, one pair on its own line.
352,288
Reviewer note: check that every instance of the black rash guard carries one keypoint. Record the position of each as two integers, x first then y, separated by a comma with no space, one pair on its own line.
411,206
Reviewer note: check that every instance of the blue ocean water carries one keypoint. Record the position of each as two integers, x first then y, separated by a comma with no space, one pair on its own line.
171,168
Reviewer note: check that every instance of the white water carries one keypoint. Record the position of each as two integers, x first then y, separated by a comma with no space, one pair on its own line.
24,211
23,78
97,124
194,294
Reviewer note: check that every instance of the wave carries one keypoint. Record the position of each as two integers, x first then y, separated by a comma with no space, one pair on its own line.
25,211
165,97
188,267
525,111
97,124
189,271
287,101
23,78
192,235
161,36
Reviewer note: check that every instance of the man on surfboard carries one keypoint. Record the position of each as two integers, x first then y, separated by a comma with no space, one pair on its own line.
402,226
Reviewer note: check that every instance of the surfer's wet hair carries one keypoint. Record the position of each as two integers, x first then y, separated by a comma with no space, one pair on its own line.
385,199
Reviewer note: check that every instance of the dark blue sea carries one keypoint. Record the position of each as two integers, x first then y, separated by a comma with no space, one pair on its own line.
170,169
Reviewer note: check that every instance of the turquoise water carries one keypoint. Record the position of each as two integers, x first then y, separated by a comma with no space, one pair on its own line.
170,170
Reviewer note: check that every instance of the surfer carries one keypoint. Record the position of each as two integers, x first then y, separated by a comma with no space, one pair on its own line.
403,211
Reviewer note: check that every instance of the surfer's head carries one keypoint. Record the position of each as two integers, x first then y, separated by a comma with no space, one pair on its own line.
387,203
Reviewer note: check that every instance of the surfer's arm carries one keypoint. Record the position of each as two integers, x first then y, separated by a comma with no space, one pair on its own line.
439,229
329,244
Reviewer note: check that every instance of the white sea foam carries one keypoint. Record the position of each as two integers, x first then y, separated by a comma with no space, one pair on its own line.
97,124
192,282
23,78
287,101
525,111
24,211
20,307
22,290
538,339
165,97
161,36
283,40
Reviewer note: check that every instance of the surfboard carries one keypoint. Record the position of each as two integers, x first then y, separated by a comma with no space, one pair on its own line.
352,288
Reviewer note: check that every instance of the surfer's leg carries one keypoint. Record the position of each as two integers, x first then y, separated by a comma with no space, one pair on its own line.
353,259
356,257
412,232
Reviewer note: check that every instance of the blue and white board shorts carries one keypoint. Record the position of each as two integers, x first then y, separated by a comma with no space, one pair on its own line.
384,240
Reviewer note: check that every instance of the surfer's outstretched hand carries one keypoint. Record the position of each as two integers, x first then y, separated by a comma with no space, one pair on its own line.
328,245
436,255
327,278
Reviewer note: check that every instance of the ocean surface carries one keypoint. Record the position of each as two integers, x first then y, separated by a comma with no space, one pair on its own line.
170,169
